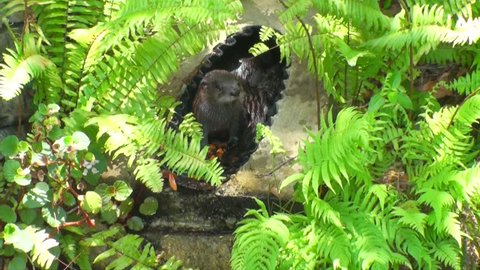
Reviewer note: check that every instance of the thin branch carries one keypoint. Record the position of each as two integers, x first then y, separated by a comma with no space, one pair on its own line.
463,102
315,67
279,166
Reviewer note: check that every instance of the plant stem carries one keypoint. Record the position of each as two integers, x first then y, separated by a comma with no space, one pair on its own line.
315,67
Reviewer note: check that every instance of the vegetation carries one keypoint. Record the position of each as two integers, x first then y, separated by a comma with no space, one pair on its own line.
390,182
387,185
102,62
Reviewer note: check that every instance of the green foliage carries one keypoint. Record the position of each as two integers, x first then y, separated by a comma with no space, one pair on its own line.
77,52
260,235
103,63
383,186
353,221
50,192
126,252
263,132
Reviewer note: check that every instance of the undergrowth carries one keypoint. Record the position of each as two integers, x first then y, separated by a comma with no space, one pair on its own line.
392,180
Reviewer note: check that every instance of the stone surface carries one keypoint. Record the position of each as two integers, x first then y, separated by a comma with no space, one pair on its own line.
198,251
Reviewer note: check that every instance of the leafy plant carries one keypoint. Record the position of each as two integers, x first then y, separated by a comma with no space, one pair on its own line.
129,46
102,62
383,186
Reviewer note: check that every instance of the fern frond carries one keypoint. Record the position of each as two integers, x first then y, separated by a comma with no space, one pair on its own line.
409,242
59,18
149,172
456,7
339,146
182,154
258,240
466,84
10,7
365,13
411,216
23,66
466,115
111,9
295,8
430,26
446,252
445,55
129,251
140,140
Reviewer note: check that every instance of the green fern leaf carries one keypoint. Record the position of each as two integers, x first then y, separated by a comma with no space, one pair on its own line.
22,66
411,216
446,252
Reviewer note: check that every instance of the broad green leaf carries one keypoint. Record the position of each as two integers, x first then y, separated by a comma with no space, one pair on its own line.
135,223
10,169
105,191
23,146
37,196
23,177
52,108
69,199
7,214
92,202
350,54
404,101
80,140
376,102
54,217
27,215
110,213
18,262
56,133
9,146
126,206
395,80
149,206
291,179
122,190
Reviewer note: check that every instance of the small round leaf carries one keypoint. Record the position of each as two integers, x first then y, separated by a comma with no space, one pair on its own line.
149,206
18,262
103,190
7,214
23,146
54,217
9,145
135,223
37,196
122,190
10,169
126,206
53,108
19,238
27,215
69,199
80,140
92,202
110,213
